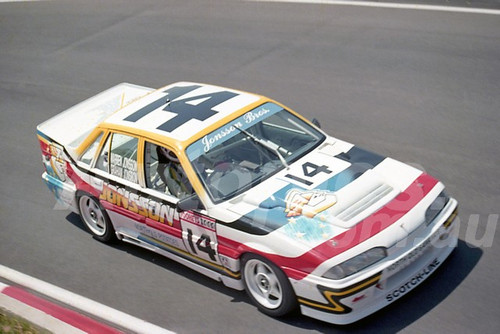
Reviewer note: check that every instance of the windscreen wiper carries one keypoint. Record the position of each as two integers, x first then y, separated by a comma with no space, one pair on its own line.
269,145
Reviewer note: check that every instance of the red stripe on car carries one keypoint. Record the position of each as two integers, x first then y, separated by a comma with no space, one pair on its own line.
299,267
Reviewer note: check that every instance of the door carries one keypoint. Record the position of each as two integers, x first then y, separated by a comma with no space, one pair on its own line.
165,177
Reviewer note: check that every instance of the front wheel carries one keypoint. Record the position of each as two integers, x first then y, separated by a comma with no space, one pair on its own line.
267,286
95,218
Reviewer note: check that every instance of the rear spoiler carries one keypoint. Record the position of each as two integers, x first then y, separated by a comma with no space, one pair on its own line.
72,126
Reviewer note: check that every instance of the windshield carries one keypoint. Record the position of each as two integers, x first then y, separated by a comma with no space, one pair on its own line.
249,149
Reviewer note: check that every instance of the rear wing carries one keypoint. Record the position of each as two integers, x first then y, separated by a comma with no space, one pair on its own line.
71,127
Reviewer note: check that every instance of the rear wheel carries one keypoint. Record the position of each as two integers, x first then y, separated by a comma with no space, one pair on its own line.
267,286
95,218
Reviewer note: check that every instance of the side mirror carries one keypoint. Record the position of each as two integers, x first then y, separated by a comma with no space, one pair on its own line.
189,203
316,122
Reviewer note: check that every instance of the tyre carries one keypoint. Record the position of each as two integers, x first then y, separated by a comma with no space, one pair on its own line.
267,286
95,218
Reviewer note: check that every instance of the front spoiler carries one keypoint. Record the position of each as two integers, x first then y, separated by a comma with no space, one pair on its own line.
377,290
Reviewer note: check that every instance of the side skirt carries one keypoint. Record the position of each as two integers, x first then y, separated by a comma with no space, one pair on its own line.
234,283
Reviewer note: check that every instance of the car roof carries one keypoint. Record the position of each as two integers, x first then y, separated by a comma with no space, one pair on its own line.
181,111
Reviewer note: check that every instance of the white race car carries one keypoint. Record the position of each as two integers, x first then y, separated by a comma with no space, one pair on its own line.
244,190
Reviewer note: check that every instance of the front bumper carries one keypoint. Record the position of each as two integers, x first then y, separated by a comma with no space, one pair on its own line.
387,281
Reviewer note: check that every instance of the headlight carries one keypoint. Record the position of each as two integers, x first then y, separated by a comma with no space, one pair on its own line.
436,207
357,263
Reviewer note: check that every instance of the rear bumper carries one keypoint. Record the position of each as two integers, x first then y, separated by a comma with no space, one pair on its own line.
64,192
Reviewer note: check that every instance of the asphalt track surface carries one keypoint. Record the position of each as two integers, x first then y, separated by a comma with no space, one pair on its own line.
420,86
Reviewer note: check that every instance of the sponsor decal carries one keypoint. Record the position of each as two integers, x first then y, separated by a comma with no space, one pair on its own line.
414,254
308,203
138,204
53,160
228,131
124,167
196,219
157,235
210,140
301,209
413,282
56,170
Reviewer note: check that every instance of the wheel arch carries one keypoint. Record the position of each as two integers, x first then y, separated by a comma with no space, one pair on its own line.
290,301
108,233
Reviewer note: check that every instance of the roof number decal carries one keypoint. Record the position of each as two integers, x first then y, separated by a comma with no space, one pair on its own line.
198,107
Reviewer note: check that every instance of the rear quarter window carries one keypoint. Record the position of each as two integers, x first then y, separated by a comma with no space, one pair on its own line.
90,152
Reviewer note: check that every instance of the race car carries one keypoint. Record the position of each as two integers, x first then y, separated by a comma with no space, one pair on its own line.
248,192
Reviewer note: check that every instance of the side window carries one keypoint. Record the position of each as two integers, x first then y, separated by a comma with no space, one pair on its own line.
119,157
89,153
103,160
164,172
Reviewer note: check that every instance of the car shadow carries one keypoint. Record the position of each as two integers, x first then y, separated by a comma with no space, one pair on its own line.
390,319
75,220
166,263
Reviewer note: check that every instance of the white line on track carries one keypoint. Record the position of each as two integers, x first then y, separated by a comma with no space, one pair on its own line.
21,0
391,5
89,306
